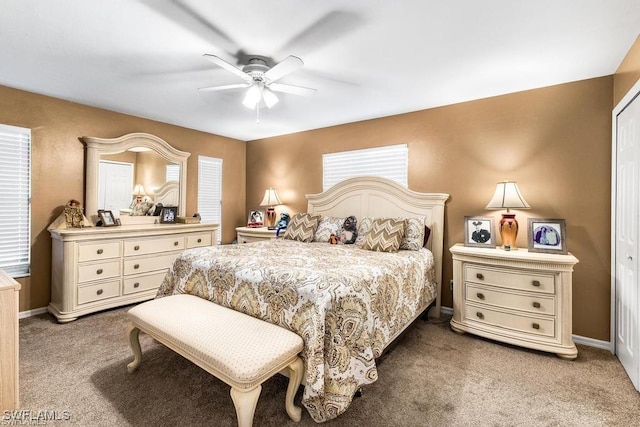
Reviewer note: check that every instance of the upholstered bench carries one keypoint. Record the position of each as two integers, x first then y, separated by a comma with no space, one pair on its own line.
238,349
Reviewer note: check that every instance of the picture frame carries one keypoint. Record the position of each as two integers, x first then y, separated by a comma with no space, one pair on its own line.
479,231
107,218
255,219
168,215
547,235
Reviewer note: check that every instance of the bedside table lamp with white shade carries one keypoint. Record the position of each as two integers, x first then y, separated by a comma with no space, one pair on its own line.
507,196
270,200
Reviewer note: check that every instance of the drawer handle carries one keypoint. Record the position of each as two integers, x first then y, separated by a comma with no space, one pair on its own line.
535,326
136,266
99,292
175,243
136,285
536,305
199,240
100,251
480,296
536,283
136,248
99,271
480,315
480,276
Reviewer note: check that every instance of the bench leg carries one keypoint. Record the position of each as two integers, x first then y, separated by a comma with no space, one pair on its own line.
296,370
245,403
134,342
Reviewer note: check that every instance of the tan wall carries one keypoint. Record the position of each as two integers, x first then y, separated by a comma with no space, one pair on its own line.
555,142
628,73
58,168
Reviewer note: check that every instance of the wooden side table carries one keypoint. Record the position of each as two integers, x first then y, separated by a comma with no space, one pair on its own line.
9,396
254,234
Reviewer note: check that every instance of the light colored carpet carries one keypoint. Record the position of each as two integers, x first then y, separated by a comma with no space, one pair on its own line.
433,377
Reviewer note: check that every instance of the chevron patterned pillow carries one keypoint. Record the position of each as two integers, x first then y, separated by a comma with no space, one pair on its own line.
385,235
302,227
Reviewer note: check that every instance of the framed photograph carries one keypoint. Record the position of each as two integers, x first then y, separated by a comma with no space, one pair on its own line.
168,214
256,219
547,235
107,218
478,231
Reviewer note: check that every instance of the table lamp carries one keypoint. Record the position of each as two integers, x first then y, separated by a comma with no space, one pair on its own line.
270,200
138,194
507,196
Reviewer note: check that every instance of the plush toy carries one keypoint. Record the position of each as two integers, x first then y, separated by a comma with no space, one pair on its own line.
349,230
283,223
73,214
333,239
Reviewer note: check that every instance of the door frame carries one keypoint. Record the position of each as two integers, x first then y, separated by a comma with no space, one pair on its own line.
626,100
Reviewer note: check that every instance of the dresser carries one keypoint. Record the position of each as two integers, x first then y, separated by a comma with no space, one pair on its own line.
8,342
254,234
97,268
517,297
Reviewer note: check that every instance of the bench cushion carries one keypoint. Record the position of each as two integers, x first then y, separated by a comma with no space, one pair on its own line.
239,349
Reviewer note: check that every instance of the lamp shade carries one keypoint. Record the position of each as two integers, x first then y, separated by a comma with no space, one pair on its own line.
270,198
507,196
138,190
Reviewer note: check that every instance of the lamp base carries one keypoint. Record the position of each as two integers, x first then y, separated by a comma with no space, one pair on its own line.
270,220
508,231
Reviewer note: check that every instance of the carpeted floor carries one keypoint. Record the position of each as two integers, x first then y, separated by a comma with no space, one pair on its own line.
433,377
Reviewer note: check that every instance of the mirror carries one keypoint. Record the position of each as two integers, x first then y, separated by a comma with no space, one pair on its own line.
131,174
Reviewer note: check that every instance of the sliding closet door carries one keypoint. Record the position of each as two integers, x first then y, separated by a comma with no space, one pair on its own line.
626,229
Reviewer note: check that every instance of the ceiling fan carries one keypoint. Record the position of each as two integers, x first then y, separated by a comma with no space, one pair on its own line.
261,79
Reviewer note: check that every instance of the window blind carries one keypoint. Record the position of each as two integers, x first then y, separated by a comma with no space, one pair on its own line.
389,162
15,200
173,173
210,191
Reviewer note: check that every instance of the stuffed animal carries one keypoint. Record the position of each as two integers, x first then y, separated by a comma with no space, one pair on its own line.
349,230
73,214
283,223
333,239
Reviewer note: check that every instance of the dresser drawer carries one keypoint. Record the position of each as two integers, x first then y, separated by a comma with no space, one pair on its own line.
147,264
242,238
100,270
521,323
151,246
96,251
142,283
197,240
511,279
97,292
534,303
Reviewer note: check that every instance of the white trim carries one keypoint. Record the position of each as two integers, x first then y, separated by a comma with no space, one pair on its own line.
626,100
446,310
30,313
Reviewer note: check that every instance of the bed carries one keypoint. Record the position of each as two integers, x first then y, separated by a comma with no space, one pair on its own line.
347,303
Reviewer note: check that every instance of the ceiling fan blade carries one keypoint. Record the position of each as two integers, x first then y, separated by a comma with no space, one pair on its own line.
223,87
229,67
281,69
295,90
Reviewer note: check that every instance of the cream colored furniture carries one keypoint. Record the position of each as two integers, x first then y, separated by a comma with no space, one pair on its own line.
97,268
254,234
9,390
517,297
243,356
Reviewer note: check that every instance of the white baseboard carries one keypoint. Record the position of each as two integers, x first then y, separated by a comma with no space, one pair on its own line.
34,312
591,342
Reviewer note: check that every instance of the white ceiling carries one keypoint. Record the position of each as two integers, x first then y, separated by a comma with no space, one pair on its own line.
366,58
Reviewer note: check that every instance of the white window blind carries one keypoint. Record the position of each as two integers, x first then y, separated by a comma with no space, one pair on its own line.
389,162
15,200
173,173
210,191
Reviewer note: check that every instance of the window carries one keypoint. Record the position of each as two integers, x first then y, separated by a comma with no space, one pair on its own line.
15,200
388,162
210,191
173,173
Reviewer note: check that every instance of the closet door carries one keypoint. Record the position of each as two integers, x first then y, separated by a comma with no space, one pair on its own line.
626,234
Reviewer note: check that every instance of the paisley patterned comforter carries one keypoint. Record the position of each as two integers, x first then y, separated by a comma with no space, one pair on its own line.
346,303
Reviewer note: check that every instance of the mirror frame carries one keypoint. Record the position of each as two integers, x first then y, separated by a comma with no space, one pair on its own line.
94,147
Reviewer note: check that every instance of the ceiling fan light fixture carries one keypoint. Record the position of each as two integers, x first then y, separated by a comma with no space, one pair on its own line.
270,98
253,96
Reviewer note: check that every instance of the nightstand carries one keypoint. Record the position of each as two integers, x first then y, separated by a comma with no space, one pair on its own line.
254,234
517,297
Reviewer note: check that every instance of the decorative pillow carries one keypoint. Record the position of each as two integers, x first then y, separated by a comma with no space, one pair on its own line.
328,225
413,239
385,235
302,227
363,229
